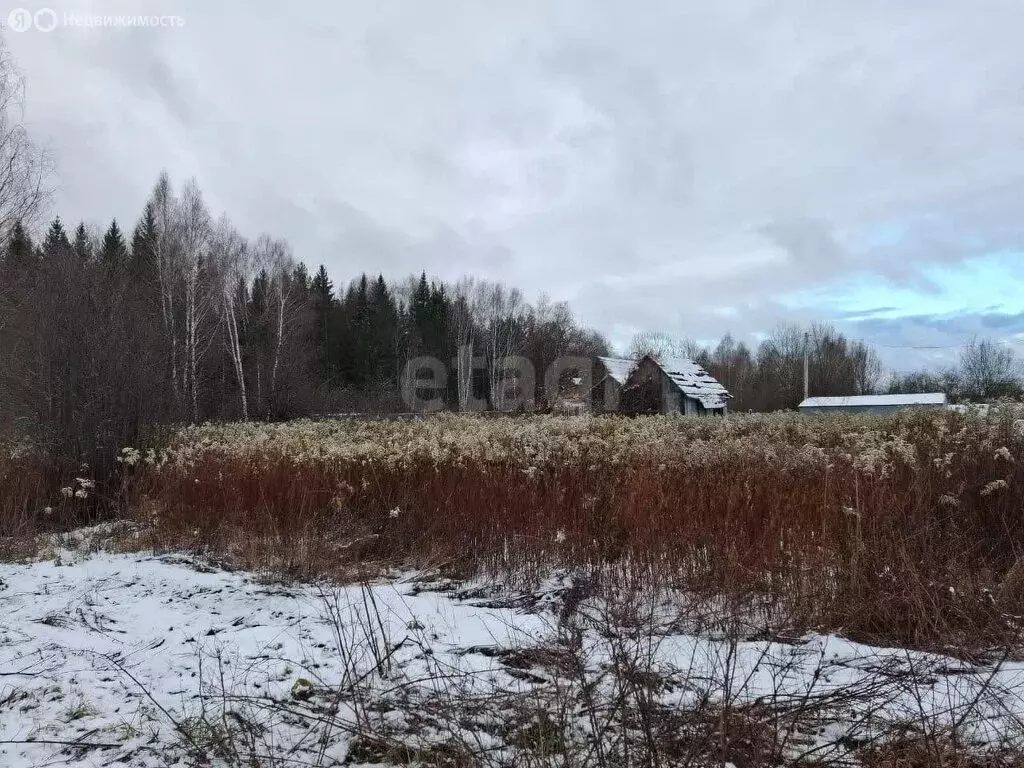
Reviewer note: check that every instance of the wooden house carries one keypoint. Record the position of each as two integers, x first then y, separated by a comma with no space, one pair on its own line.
610,374
672,385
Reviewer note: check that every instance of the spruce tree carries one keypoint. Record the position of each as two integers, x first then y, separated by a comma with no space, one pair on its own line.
144,242
56,241
113,252
437,314
20,250
419,304
383,330
301,280
82,245
322,289
362,365
428,310
324,307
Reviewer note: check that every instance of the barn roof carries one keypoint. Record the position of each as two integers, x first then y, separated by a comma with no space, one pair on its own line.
853,401
618,368
693,381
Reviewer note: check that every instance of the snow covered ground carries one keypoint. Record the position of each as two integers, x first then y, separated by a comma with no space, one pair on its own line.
109,648
118,659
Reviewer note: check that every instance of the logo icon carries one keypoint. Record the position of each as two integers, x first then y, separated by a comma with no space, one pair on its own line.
20,20
45,20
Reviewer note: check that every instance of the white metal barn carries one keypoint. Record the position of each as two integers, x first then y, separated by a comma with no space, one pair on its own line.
872,403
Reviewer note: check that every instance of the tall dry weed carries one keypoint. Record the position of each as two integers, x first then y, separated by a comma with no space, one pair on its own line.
891,528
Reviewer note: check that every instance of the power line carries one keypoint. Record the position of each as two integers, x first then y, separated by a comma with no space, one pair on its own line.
939,346
917,346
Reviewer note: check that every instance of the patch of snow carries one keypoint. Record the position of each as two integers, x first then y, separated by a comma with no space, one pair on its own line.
115,649
96,650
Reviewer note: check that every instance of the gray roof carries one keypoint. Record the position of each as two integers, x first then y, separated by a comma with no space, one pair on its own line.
854,401
695,382
692,380
618,368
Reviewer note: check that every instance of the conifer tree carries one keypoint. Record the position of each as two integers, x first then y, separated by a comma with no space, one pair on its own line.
358,316
144,240
428,313
383,330
322,289
20,250
56,241
324,305
113,252
301,280
82,245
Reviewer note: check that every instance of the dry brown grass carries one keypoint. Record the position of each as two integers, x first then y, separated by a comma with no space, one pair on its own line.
30,501
42,495
936,751
903,530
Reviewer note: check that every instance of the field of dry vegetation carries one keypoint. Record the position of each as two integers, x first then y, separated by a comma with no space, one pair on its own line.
752,591
904,530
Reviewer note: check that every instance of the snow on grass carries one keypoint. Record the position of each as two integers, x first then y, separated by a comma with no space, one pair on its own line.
114,659
73,637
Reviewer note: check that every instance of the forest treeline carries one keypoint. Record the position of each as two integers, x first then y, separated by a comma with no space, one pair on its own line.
184,319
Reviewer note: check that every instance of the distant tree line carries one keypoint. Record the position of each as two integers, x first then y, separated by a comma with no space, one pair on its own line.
986,371
184,319
771,376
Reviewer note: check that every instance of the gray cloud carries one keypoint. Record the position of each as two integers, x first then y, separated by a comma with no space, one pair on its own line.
681,167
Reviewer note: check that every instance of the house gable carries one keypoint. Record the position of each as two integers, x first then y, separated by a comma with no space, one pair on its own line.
610,375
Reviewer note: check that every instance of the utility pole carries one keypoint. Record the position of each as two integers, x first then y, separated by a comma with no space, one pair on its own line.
807,367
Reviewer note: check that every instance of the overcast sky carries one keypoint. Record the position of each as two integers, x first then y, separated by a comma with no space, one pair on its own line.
671,165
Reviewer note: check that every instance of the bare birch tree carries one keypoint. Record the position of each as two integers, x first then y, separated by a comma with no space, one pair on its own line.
166,252
194,223
25,168
275,257
462,327
501,311
229,252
